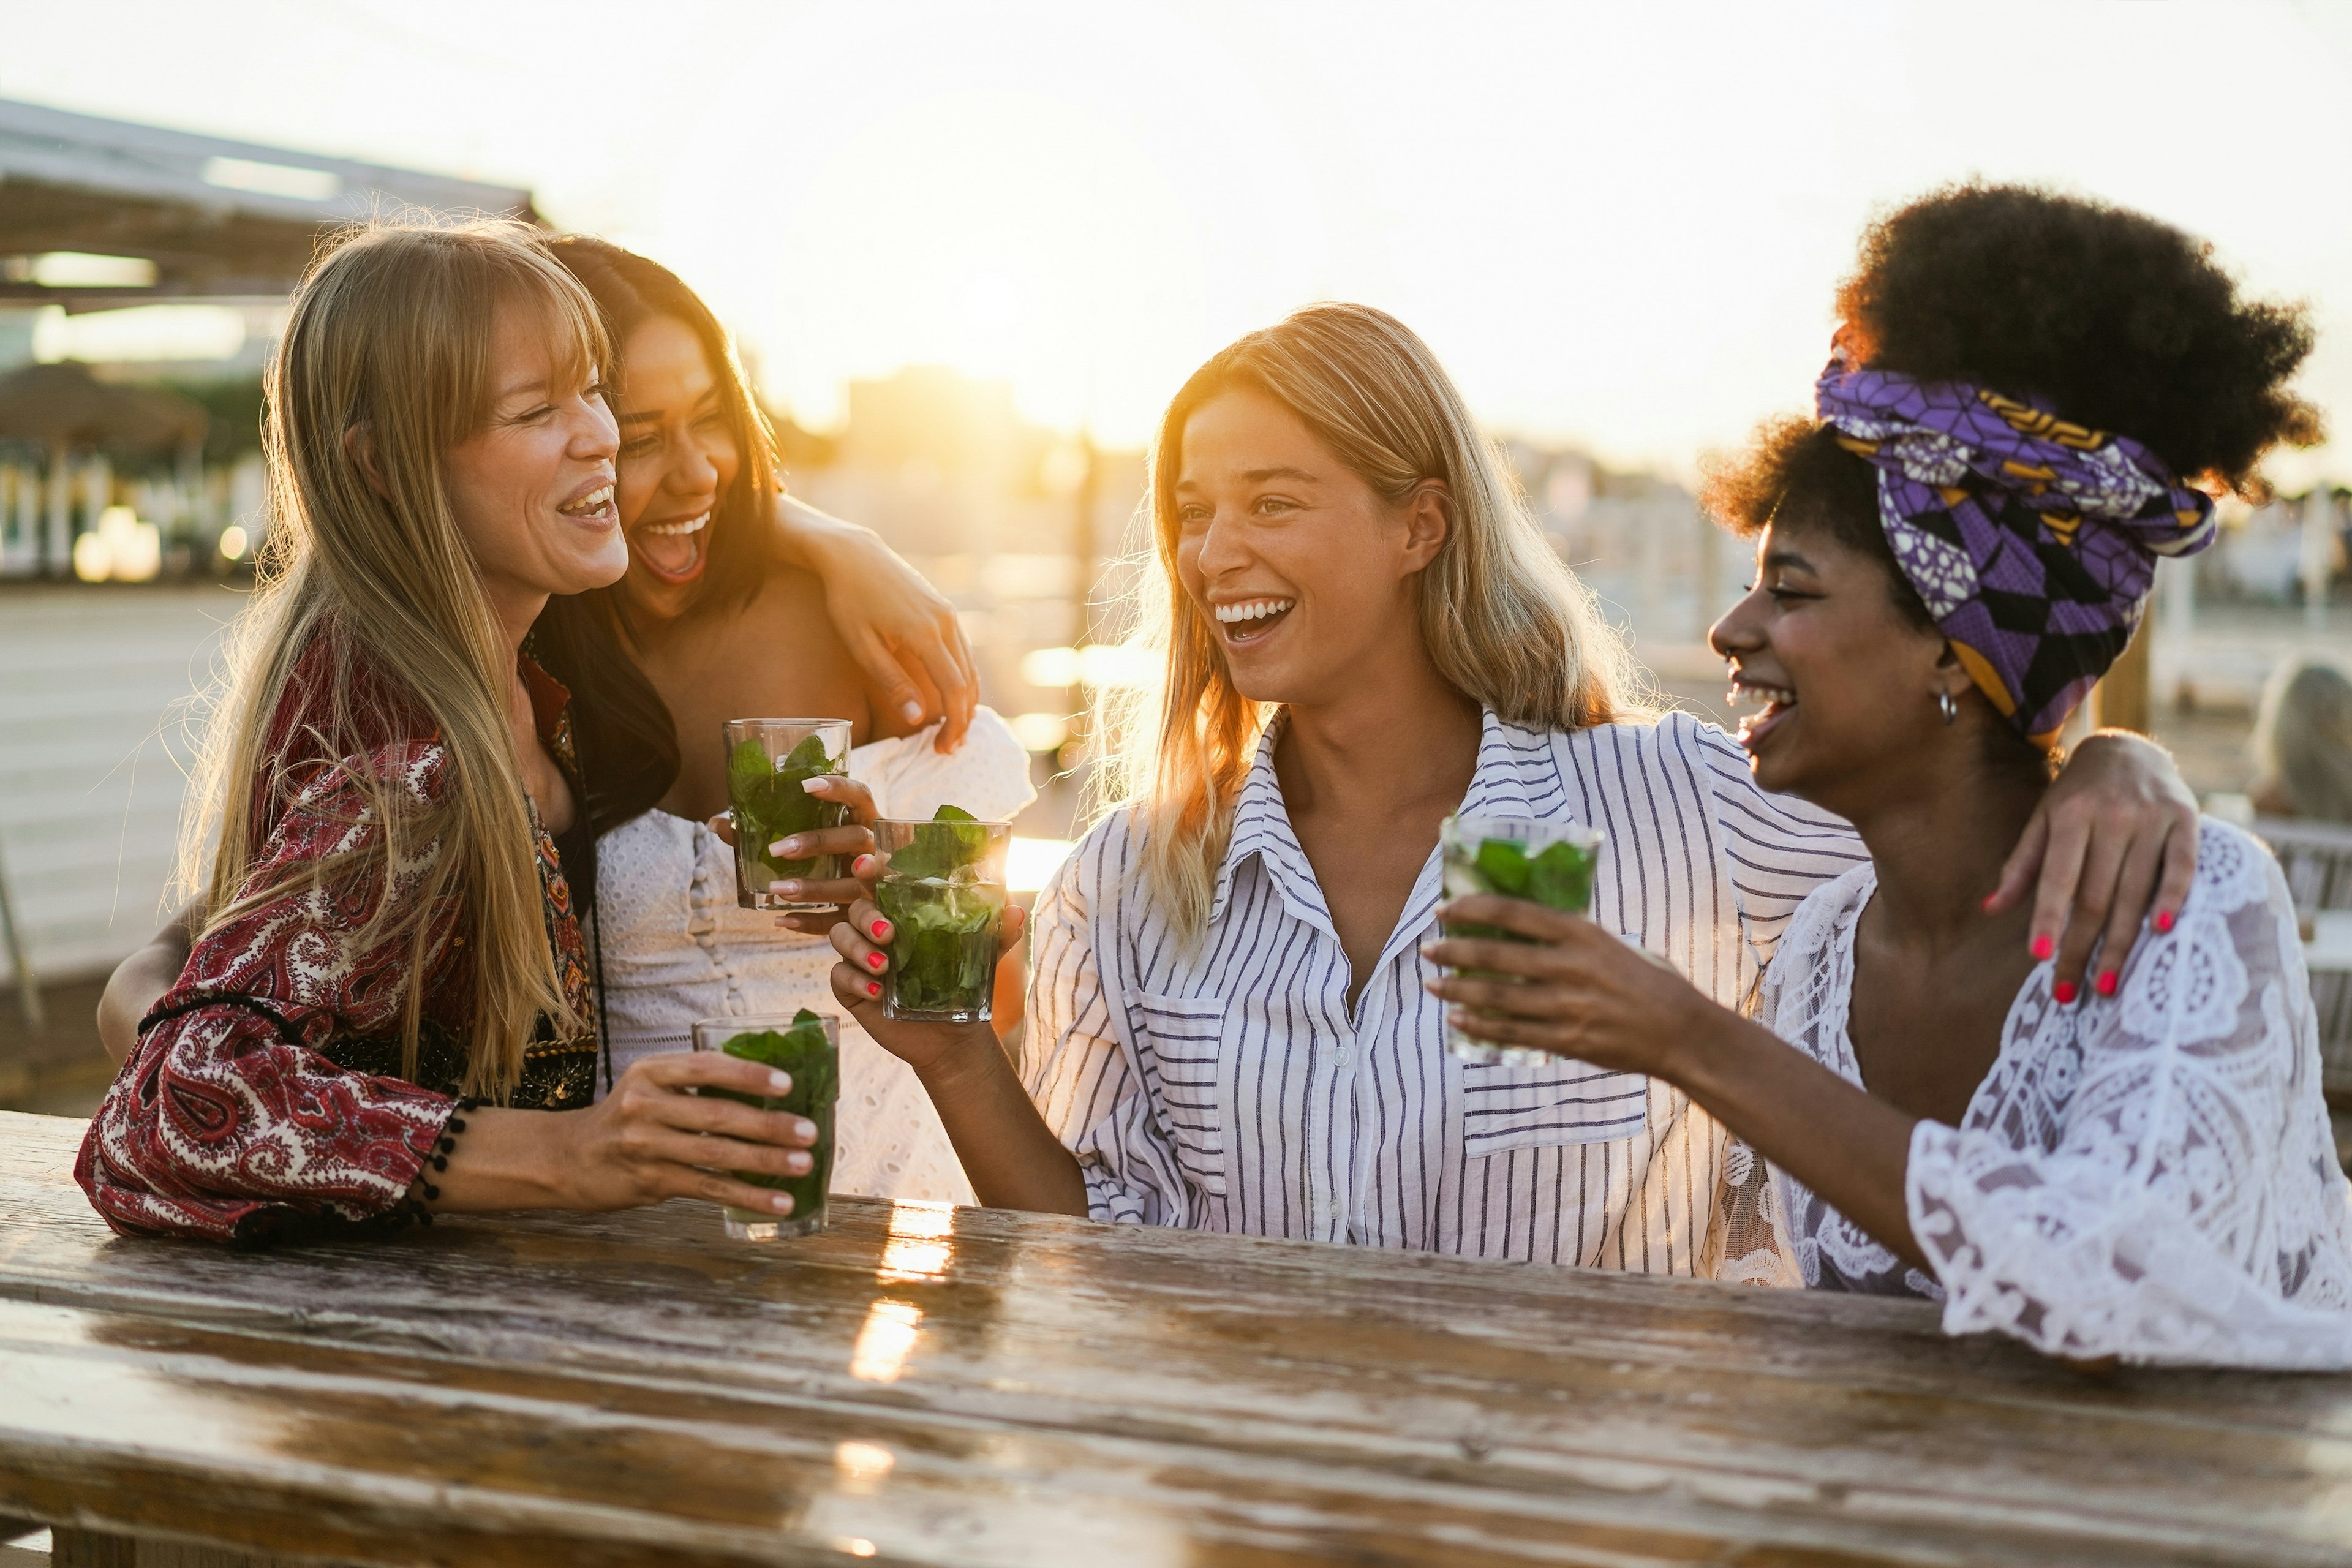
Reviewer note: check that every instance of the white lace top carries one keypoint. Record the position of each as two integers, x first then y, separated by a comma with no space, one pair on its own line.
2150,1176
677,948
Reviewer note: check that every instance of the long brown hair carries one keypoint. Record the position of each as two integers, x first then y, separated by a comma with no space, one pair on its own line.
1502,619
628,739
391,332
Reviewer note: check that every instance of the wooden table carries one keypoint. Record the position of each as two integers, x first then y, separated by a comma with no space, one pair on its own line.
960,1386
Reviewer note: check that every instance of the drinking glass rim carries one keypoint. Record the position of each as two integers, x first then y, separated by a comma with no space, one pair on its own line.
780,723
758,1023
1583,834
944,822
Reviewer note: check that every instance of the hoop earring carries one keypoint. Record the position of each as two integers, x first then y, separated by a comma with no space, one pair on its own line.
1947,707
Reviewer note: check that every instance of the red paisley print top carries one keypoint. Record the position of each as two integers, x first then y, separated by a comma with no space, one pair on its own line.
264,1098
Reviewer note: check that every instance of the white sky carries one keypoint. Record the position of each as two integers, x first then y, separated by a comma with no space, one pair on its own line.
1619,224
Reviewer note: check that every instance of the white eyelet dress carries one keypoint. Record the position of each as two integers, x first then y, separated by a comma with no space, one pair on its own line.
677,948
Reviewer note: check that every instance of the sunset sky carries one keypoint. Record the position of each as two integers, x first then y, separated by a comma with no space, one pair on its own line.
1619,223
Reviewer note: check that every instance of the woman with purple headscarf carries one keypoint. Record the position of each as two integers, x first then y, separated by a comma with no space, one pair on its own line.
2033,400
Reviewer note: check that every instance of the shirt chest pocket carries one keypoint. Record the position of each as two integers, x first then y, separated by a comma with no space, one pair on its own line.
1181,1042
1563,1101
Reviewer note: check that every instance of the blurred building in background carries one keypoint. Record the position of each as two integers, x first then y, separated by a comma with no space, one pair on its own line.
143,279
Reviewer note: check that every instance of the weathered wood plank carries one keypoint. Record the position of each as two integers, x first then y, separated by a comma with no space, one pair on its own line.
980,1387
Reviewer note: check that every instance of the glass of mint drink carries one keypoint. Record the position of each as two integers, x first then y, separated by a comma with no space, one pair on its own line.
768,763
807,1045
942,891
1549,863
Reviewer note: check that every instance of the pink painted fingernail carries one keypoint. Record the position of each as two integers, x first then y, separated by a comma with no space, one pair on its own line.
873,961
2107,983
874,988
1987,905
782,1203
881,930
2164,920
2043,947
2063,990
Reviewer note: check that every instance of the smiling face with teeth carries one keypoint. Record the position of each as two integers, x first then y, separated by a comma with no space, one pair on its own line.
1305,576
1841,683
532,489
680,458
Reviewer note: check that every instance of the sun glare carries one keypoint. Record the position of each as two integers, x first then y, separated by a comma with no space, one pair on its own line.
1071,243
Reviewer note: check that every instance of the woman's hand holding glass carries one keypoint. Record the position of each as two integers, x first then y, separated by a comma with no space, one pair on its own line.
863,940
851,841
1574,988
1011,1156
653,1138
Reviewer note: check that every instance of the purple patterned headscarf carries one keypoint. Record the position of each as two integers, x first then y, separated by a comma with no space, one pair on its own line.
2033,541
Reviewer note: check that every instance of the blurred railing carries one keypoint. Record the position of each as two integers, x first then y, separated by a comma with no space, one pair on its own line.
92,760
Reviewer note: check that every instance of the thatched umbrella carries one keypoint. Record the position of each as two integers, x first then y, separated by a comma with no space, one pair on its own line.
66,408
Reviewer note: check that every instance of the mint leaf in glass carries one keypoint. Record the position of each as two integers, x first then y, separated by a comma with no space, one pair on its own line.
943,956
771,801
1504,863
802,1051
941,845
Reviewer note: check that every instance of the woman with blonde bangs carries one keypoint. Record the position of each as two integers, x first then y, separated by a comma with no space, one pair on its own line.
738,599
1230,1025
391,928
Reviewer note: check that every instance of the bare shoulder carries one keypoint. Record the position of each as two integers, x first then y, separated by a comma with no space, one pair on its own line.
790,604
784,630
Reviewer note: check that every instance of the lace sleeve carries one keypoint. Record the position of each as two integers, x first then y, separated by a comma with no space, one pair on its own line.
1746,1242
2186,1207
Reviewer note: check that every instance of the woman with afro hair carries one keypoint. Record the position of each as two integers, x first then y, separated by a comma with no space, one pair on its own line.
2032,399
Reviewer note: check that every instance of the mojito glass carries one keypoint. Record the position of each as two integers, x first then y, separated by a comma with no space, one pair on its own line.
942,891
1549,863
807,1045
768,763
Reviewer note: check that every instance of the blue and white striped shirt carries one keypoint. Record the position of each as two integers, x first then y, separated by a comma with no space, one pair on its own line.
1229,1086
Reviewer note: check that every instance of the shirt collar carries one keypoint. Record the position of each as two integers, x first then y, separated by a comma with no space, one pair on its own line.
1504,784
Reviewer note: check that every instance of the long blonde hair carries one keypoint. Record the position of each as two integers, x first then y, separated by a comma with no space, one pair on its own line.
391,334
1502,619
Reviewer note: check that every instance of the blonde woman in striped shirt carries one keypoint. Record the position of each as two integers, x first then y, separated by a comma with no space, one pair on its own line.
1365,633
